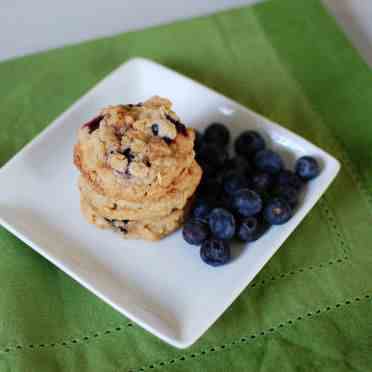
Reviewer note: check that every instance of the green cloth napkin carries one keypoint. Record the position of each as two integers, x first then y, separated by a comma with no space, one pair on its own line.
310,307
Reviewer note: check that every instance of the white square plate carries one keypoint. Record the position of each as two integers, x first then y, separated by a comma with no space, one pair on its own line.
162,286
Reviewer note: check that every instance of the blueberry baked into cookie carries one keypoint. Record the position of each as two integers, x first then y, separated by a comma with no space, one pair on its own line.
134,152
138,169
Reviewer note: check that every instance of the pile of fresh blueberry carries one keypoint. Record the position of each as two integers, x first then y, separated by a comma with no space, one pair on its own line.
241,196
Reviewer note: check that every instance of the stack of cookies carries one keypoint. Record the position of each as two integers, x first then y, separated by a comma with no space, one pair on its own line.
138,172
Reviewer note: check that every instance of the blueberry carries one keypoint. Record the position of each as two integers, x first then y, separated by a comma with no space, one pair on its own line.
247,202
221,223
195,232
223,200
217,134
181,128
268,161
201,209
198,140
248,143
167,140
261,182
233,182
211,156
289,178
289,193
209,188
116,225
128,154
208,170
215,252
131,105
251,229
123,230
93,124
277,211
238,164
155,129
307,168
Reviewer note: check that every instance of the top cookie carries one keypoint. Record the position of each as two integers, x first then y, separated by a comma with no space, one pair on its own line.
134,151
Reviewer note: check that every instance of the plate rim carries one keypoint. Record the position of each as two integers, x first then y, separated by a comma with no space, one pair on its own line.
180,343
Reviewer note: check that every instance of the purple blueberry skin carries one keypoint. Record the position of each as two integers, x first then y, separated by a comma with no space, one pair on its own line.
211,156
128,154
289,193
247,202
181,128
307,168
155,132
248,143
261,182
209,188
217,134
289,178
167,140
195,232
155,129
201,209
268,161
239,165
198,140
215,252
221,223
251,229
277,211
93,124
233,182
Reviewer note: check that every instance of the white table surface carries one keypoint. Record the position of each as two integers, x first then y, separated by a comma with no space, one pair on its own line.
31,26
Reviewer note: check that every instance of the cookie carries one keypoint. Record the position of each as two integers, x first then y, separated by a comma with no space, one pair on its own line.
133,152
147,229
177,196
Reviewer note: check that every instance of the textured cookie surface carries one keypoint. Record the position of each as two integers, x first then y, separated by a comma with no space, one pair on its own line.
132,152
177,196
148,229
